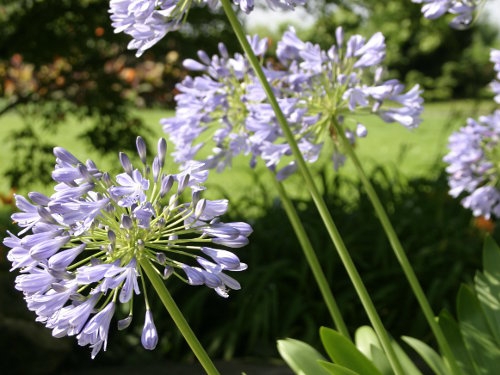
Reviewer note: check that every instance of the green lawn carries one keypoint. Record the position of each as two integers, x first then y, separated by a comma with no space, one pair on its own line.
411,153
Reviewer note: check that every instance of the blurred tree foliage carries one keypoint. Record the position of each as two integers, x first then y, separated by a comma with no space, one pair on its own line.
61,57
447,63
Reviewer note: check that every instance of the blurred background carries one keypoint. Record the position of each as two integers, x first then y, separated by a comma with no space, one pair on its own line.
67,80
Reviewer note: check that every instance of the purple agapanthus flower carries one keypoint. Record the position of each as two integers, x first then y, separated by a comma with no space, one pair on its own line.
473,165
463,10
81,252
218,95
314,88
148,21
495,85
343,83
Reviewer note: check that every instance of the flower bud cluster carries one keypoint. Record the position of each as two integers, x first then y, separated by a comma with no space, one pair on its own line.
315,89
82,250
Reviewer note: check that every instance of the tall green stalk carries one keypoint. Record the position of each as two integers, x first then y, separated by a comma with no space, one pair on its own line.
178,318
315,194
312,260
399,251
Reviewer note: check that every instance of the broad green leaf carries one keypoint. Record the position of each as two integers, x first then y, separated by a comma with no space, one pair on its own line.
406,362
487,285
428,354
488,293
367,342
451,331
344,353
476,333
491,258
380,360
365,337
335,369
301,357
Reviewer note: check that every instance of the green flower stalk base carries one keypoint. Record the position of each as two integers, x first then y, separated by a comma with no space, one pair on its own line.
313,261
399,252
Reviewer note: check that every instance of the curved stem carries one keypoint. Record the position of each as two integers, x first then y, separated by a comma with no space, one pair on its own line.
399,251
315,194
312,259
178,318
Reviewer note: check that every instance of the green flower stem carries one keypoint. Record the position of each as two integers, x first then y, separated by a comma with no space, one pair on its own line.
315,194
178,318
399,251
312,259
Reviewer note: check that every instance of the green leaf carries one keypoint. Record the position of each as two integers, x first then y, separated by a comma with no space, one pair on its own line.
451,331
491,258
488,293
476,333
406,362
367,342
301,357
428,354
365,337
380,360
335,369
487,286
344,353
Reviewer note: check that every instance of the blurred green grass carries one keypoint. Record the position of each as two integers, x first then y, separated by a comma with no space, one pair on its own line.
410,153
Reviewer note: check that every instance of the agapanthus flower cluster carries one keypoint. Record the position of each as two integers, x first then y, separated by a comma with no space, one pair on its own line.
316,90
474,158
82,251
474,165
463,10
148,21
495,85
